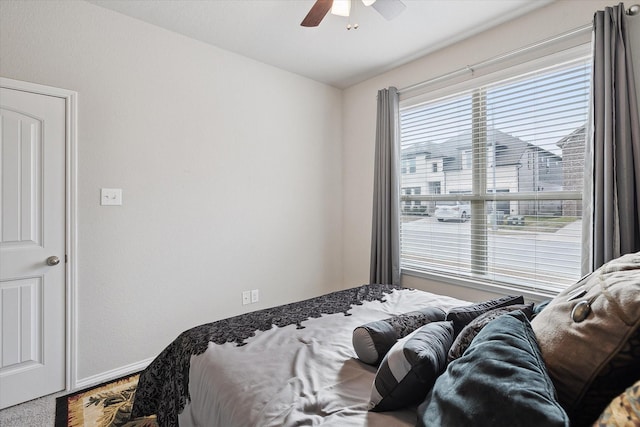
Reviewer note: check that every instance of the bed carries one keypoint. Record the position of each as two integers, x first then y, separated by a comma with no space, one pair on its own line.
315,376
297,364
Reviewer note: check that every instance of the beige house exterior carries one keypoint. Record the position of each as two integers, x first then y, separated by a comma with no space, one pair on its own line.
572,147
512,166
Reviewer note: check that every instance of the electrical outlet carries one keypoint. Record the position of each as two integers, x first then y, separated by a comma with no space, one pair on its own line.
111,196
246,297
255,295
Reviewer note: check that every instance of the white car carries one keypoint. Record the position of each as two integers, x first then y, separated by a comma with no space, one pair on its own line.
452,210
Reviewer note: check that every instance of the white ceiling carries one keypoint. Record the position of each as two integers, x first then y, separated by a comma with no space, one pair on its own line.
269,31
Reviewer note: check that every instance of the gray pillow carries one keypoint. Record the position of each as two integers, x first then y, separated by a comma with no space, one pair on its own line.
373,340
462,316
593,360
410,368
500,380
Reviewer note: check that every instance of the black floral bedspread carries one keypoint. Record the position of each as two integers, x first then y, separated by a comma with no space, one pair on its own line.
163,388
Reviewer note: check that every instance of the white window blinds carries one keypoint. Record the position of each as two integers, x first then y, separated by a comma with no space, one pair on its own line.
492,179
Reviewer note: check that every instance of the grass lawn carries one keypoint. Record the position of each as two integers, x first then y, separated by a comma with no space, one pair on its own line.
549,224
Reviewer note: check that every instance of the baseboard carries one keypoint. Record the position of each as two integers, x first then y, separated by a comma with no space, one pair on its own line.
111,375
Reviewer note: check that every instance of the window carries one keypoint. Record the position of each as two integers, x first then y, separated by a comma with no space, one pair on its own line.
466,159
409,165
434,187
513,151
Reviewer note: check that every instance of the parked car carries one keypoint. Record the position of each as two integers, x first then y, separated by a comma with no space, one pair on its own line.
452,210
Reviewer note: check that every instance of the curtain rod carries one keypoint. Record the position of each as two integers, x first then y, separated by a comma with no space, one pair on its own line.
631,11
473,67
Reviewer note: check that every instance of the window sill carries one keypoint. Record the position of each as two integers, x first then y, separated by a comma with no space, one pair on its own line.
533,295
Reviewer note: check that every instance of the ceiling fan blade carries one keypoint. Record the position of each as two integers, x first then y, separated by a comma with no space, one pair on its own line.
317,13
389,8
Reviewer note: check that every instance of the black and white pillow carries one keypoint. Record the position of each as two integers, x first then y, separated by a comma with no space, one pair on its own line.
411,367
373,340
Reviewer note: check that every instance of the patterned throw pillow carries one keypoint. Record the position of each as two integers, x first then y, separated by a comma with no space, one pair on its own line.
373,340
462,316
464,338
410,368
624,410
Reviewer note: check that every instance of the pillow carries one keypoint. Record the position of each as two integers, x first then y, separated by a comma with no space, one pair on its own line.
461,316
464,338
410,368
621,370
623,410
592,360
373,340
540,306
499,381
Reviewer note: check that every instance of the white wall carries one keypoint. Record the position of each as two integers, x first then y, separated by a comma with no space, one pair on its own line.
230,170
359,103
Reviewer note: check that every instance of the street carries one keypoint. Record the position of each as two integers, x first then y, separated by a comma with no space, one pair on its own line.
545,257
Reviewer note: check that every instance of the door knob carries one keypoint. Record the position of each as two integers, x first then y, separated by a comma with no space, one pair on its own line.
53,260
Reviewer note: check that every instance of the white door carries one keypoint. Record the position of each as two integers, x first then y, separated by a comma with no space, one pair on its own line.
32,245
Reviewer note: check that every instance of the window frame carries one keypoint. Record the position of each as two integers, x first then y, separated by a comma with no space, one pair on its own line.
478,198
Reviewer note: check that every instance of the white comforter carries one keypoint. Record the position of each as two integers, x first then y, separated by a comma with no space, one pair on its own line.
298,377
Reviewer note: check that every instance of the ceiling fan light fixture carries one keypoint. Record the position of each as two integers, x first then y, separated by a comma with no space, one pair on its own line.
387,8
341,7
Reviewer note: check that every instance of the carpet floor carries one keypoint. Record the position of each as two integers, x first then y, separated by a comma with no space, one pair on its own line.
34,413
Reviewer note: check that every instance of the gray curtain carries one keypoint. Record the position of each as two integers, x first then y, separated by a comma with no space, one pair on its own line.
385,234
615,160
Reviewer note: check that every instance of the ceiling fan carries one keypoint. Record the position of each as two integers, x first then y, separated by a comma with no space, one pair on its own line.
389,9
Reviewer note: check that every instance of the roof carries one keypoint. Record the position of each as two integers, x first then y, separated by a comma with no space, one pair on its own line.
509,149
577,136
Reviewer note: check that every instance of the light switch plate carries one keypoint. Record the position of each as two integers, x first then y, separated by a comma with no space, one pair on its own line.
111,196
